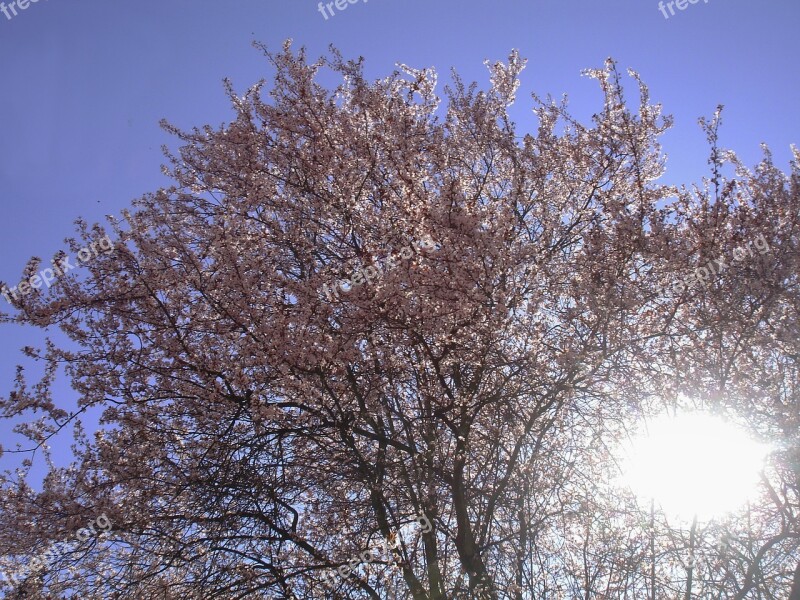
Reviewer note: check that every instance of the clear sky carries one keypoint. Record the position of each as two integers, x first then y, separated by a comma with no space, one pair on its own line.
83,84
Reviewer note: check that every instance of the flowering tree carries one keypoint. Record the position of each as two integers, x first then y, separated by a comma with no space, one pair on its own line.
442,424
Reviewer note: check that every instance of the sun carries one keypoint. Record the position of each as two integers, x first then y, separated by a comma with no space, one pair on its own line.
693,465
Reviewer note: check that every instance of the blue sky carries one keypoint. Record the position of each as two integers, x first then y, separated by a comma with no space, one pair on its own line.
83,84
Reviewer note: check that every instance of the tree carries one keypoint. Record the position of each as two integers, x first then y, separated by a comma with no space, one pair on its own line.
511,312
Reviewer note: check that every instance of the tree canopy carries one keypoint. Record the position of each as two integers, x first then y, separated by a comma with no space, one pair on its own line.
507,303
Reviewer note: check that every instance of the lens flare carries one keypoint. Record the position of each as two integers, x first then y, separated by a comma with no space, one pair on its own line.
693,464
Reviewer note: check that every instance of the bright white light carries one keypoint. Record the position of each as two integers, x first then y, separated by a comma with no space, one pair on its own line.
693,464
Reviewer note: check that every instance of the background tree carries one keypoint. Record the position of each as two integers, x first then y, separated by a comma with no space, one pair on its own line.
258,433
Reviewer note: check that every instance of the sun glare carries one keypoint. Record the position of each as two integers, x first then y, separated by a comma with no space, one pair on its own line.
694,464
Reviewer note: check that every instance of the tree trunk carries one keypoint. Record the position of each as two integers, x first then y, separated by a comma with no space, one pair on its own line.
795,595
